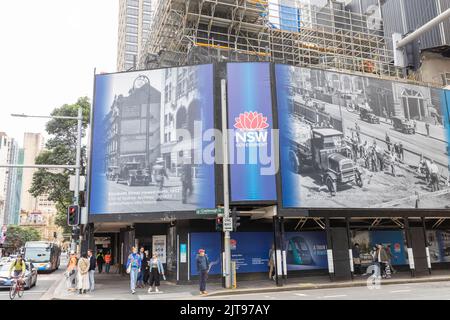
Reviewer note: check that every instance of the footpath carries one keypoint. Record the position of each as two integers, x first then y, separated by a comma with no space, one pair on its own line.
116,287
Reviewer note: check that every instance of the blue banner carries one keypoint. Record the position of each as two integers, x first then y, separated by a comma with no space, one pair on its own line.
252,161
306,250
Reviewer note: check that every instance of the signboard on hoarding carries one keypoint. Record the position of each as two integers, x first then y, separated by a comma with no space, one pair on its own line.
251,142
159,247
348,141
152,149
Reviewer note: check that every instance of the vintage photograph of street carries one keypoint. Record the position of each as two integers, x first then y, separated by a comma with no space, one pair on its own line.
148,161
360,142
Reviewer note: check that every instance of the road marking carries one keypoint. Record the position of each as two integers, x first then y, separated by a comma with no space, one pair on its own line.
400,291
336,296
31,292
301,294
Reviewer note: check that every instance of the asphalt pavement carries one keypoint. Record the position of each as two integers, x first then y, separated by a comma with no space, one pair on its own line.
410,291
43,284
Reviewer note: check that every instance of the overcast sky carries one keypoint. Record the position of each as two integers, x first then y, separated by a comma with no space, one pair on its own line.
49,51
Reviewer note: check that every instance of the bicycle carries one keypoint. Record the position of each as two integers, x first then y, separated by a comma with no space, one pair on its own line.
17,288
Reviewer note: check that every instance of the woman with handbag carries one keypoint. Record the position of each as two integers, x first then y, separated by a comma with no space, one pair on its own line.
133,268
156,270
83,274
71,272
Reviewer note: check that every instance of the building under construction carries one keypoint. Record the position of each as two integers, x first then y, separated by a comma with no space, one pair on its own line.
294,32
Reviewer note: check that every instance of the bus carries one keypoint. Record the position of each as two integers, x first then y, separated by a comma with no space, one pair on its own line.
44,255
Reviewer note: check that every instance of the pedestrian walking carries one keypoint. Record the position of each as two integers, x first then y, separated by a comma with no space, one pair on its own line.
134,264
356,252
393,162
382,260
401,151
140,277
203,269
186,179
108,261
71,272
146,267
156,271
390,258
92,263
83,274
434,176
427,126
160,174
388,142
100,261
271,263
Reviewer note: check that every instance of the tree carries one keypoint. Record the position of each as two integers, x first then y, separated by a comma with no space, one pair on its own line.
17,236
61,150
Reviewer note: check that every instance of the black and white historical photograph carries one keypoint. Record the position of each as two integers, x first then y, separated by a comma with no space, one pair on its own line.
149,141
363,142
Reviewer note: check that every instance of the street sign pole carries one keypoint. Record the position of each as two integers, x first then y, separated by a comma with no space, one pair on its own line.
226,202
77,177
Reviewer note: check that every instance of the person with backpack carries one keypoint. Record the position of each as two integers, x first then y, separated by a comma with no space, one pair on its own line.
100,261
134,264
83,274
18,268
71,272
203,266
108,260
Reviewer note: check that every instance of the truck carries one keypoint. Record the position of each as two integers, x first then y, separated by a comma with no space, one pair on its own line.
327,152
132,174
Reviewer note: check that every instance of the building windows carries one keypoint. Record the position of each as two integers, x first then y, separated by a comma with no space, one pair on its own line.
129,38
131,48
132,12
131,29
134,3
131,20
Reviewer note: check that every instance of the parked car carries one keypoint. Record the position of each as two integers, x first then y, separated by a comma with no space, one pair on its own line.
403,125
6,280
368,116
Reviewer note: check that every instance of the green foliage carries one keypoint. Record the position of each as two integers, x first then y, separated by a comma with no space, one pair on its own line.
61,150
16,236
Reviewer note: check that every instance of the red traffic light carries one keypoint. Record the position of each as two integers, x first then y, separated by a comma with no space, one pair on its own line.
73,216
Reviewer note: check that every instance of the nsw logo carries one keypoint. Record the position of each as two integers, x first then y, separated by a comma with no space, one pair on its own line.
252,129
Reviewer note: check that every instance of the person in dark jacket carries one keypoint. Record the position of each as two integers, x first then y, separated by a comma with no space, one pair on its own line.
356,252
100,261
203,269
140,278
91,270
146,267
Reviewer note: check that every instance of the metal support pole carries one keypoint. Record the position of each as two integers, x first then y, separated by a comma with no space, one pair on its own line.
276,248
76,198
226,198
350,247
409,247
427,249
329,249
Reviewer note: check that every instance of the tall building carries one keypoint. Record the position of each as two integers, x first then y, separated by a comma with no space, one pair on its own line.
33,144
9,152
135,18
12,205
37,212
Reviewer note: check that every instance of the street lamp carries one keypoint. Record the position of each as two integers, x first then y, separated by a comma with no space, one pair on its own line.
79,118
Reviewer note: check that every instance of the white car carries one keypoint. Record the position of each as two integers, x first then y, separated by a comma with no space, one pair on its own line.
6,280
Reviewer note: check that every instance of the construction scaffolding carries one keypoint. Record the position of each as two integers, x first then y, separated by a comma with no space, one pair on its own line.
293,32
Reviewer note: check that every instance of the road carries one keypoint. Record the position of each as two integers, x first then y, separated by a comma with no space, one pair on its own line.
419,144
44,282
416,291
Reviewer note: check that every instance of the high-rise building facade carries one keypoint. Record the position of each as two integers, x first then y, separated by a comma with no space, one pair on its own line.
135,18
9,152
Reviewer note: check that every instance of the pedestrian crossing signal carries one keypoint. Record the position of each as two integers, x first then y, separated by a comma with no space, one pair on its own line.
219,224
73,215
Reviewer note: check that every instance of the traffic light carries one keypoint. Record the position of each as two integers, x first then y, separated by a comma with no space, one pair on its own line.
236,219
73,215
219,224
